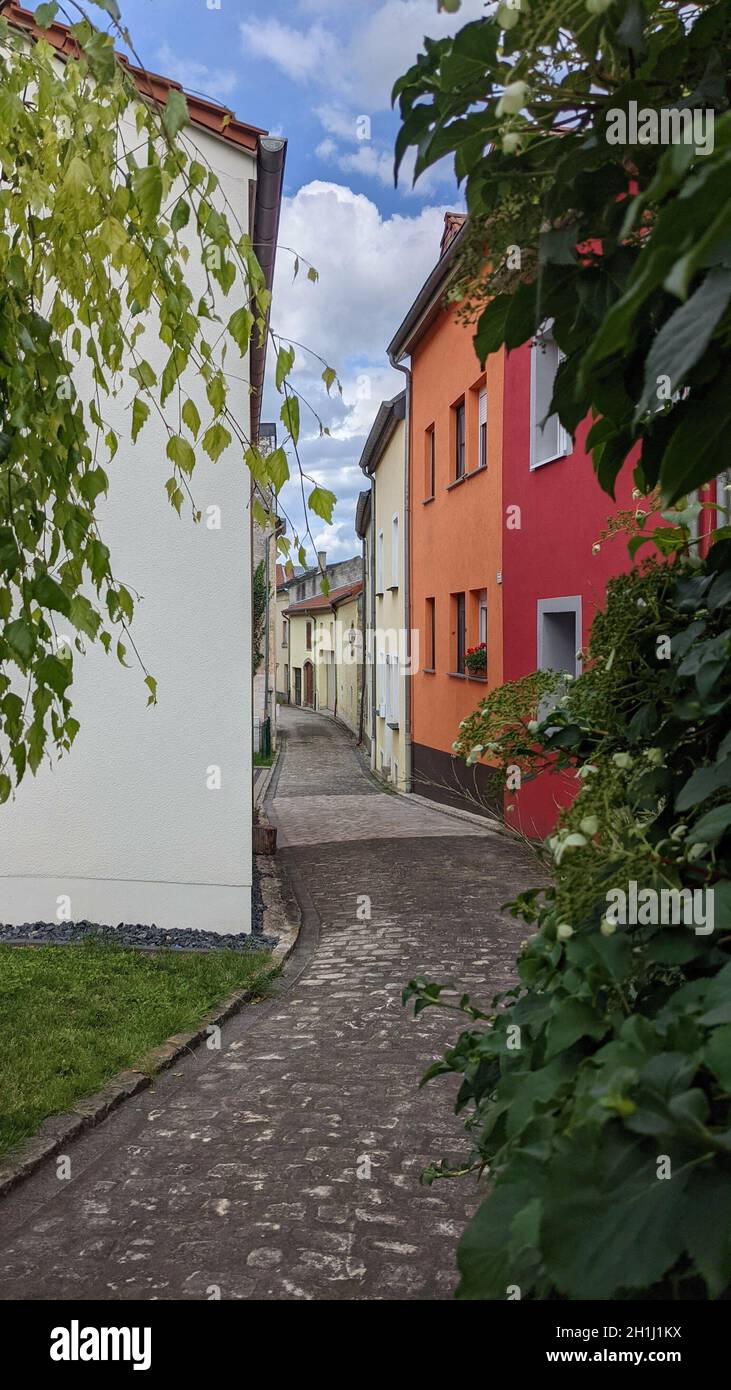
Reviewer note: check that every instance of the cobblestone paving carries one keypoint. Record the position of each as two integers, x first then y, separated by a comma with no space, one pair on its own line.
238,1175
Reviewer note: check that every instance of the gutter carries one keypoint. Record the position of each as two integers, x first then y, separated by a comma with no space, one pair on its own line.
270,158
398,366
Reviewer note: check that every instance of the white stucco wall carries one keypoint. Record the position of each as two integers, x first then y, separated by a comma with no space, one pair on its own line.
126,825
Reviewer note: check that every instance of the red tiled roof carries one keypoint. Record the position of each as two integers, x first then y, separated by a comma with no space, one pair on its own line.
208,114
321,602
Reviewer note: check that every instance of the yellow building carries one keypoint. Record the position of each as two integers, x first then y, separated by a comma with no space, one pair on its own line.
381,523
292,587
324,646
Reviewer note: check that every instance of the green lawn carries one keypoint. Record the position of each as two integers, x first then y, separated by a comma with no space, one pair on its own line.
72,1016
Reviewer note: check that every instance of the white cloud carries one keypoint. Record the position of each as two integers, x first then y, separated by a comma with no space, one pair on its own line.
197,77
337,541
371,268
355,49
301,54
376,161
337,121
327,149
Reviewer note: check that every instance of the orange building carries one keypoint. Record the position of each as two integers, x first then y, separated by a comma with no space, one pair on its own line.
454,557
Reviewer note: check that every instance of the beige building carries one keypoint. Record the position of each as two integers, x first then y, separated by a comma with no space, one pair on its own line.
293,586
381,525
324,646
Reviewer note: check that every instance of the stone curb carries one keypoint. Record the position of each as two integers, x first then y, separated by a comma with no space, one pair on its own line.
491,826
262,785
57,1131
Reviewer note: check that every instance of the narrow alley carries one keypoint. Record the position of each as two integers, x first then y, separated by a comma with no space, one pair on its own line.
286,1165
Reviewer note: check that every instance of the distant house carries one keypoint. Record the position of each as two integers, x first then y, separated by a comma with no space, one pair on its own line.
294,585
325,638
149,818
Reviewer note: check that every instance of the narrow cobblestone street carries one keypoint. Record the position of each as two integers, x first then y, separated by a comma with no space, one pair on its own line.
237,1175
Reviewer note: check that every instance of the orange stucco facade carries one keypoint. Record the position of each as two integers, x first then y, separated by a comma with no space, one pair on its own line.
455,535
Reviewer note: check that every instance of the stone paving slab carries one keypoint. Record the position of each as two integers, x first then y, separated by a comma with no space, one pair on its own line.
331,819
286,1165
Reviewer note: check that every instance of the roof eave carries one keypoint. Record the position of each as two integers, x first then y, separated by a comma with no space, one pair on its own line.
388,416
427,304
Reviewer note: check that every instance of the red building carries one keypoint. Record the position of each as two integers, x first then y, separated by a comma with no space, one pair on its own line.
554,577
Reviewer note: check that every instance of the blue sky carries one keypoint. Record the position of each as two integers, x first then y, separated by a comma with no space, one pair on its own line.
320,72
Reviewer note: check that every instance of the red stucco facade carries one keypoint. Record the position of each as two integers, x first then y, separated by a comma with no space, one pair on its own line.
550,556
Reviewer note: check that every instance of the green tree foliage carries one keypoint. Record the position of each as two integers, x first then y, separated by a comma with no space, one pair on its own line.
597,1093
259,608
626,246
98,183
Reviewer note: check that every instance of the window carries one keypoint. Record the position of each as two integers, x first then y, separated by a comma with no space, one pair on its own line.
482,429
392,690
381,685
379,564
394,552
301,591
308,636
430,463
482,617
431,634
459,635
285,632
723,499
559,639
548,438
459,440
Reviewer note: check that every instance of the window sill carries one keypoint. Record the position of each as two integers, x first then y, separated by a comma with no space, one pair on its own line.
392,589
473,473
457,675
391,726
471,676
426,500
428,670
541,463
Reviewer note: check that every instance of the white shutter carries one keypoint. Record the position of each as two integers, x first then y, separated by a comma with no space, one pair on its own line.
548,440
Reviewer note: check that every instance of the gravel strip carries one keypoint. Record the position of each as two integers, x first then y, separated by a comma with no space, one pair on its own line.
127,934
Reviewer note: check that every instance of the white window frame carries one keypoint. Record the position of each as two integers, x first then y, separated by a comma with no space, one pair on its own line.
482,420
379,563
482,621
571,604
564,440
392,691
394,550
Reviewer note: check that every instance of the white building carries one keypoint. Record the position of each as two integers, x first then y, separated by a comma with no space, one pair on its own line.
148,818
